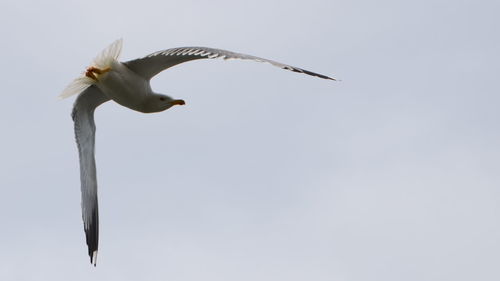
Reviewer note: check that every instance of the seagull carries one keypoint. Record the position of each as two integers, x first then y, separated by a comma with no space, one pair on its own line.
128,84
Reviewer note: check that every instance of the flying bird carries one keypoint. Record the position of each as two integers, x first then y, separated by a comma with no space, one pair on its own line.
128,84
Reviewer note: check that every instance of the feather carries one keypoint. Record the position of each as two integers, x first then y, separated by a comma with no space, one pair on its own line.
102,61
108,55
77,86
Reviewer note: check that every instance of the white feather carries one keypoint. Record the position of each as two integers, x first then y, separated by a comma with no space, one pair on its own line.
76,86
108,55
101,61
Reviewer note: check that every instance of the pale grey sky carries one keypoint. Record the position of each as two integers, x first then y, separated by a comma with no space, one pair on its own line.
390,175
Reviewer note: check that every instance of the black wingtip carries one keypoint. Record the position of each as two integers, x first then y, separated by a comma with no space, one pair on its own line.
93,258
318,75
300,70
92,236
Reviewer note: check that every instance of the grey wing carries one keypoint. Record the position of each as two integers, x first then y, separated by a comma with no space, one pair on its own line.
83,117
154,63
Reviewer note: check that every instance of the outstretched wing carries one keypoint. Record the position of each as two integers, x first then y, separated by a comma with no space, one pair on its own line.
83,117
154,63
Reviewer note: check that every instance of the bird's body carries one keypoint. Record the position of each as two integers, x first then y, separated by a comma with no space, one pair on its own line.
125,87
128,84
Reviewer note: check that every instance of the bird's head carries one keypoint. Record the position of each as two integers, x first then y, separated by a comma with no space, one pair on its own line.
159,102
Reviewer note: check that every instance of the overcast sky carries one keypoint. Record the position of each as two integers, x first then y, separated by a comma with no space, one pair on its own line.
390,175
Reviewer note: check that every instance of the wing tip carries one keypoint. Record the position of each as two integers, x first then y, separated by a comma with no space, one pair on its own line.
92,236
300,70
93,258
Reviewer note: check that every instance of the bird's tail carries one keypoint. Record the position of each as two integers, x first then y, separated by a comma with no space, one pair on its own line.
108,55
76,86
102,61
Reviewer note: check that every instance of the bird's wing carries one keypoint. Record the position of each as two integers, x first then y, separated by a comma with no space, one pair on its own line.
83,117
152,64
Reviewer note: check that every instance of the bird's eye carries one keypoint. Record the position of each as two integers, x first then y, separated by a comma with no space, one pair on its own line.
162,99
